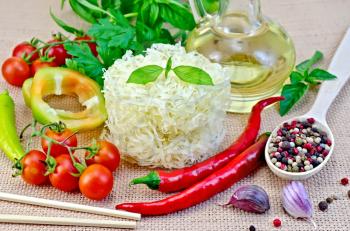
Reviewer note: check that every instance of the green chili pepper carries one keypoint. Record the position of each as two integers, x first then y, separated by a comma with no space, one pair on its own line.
9,141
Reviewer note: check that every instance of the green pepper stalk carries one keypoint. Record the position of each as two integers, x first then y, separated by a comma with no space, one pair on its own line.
9,141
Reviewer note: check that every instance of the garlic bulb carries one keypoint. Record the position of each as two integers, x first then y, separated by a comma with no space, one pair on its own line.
251,198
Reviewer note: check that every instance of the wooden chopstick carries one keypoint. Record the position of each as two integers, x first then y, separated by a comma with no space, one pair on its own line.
67,221
68,206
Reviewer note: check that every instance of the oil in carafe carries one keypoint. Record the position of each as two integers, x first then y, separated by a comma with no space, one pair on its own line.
258,57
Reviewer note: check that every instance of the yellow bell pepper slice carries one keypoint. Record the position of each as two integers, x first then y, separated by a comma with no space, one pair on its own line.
63,81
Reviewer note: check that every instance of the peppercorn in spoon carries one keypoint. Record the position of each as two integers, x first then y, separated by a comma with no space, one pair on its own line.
301,146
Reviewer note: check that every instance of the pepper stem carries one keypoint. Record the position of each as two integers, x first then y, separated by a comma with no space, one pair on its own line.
152,180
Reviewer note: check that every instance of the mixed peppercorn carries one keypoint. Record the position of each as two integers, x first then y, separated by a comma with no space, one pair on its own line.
299,146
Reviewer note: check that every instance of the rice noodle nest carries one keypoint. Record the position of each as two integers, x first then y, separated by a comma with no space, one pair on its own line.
167,123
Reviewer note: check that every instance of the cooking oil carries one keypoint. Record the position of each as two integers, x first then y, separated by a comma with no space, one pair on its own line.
259,56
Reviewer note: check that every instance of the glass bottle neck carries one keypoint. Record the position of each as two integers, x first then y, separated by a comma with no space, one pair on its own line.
239,16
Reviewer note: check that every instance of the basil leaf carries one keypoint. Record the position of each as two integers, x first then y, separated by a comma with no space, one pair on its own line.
193,75
146,74
144,12
148,35
211,6
177,15
296,77
145,33
307,64
168,67
292,94
65,26
320,74
166,37
153,14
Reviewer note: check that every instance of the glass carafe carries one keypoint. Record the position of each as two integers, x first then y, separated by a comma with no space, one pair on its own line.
257,51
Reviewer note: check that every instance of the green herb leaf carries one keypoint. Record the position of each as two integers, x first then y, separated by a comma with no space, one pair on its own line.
307,64
149,13
153,14
177,15
115,35
319,74
62,4
137,47
128,6
146,74
168,67
110,4
93,7
84,58
73,65
292,94
108,54
296,77
193,75
211,6
66,27
82,11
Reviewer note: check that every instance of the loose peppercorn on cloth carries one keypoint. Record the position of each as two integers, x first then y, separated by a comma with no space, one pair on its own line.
317,24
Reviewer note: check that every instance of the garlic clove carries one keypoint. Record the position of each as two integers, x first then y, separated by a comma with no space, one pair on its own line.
295,200
251,198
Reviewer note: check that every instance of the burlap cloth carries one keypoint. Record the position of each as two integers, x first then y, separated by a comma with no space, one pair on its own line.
316,24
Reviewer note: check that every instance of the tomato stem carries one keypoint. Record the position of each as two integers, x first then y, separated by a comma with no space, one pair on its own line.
130,15
50,161
49,45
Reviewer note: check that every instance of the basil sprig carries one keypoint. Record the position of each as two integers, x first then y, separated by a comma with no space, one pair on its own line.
189,74
301,79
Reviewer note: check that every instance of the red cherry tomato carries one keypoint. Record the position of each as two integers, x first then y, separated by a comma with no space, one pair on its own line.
107,155
58,52
24,49
62,177
96,182
34,168
92,45
15,71
69,138
38,64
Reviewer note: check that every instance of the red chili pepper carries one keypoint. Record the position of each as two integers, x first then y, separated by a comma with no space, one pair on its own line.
235,170
179,179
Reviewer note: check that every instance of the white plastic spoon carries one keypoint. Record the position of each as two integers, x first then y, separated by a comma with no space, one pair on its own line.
340,66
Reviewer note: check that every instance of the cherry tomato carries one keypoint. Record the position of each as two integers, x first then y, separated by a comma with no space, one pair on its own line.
92,45
62,177
69,138
15,71
58,52
96,182
25,48
34,168
107,155
38,64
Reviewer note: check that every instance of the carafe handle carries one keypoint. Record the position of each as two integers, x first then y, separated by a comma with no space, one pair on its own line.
198,10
